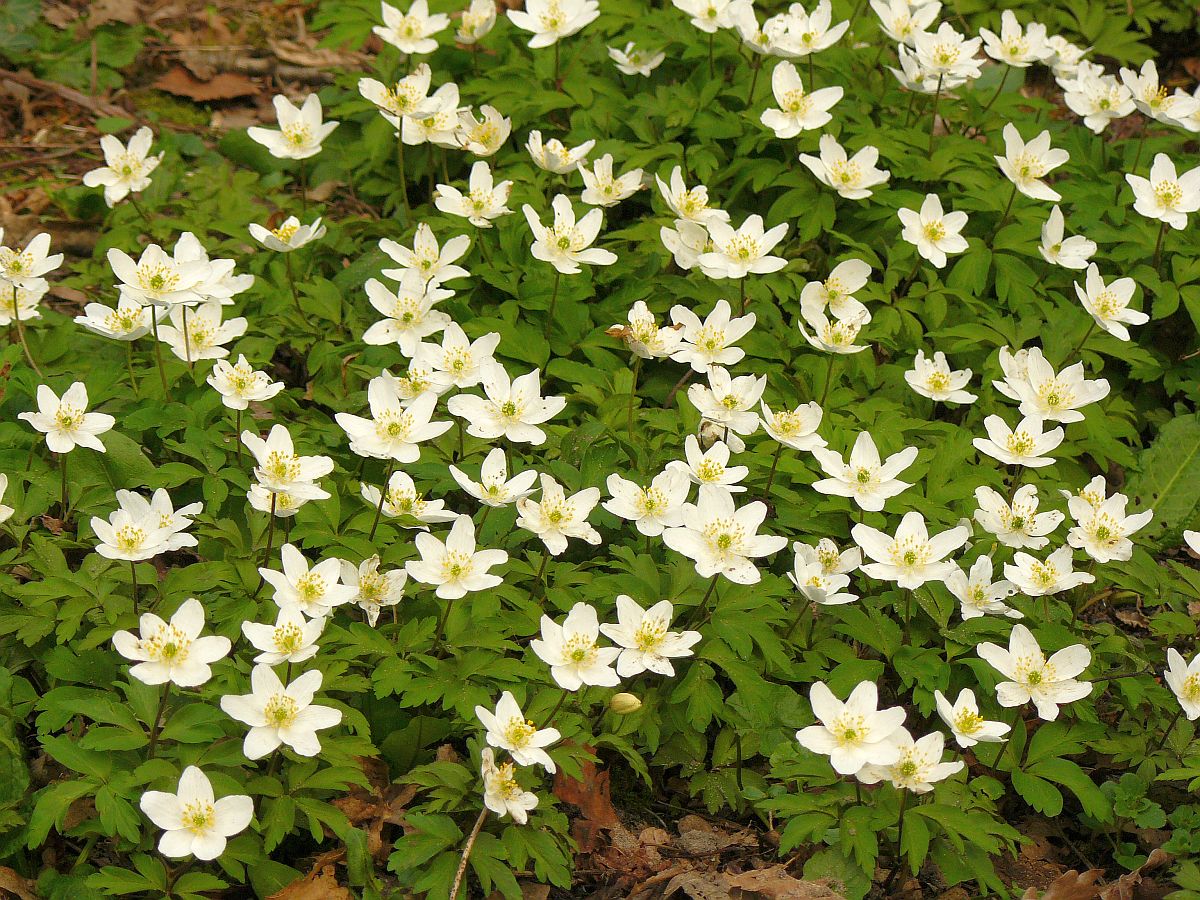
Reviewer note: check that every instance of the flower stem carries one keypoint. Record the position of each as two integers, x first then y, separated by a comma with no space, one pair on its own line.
553,299
637,367
711,70
557,706
129,365
470,844
187,340
270,530
1158,245
287,261
1079,347
237,434
64,492
156,725
133,579
162,372
999,89
21,333
828,380
937,96
382,498
899,843
1008,209
304,188
441,627
771,477
703,607
403,176
1137,157
799,615
558,87
1162,741
756,67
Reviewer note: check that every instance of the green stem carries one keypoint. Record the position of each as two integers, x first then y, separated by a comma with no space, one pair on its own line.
266,558
237,434
129,366
637,367
703,607
441,626
999,89
21,333
1162,742
711,68
1078,347
403,176
64,490
557,706
937,96
553,299
1008,208
304,188
757,67
799,615
828,380
771,476
287,262
156,725
899,843
133,580
382,498
162,372
1158,245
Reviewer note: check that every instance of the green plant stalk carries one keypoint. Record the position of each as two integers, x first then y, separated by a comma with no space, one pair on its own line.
1162,741
382,498
156,725
21,333
287,263
133,579
637,368
937,96
403,175
553,301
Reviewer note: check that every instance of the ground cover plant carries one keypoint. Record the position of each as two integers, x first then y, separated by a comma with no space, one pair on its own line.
615,449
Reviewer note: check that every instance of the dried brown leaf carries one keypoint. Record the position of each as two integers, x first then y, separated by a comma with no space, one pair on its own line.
1134,885
223,86
775,883
698,886
322,885
101,12
1070,885
12,883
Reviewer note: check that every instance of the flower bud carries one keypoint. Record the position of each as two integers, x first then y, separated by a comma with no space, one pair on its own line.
624,704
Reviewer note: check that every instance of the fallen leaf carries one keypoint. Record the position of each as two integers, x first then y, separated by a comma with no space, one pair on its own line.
12,883
698,886
60,15
1069,886
775,883
51,524
1132,617
1134,885
591,795
308,54
101,12
223,86
315,885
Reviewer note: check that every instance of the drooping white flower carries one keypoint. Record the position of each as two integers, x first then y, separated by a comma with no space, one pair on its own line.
911,557
602,188
1049,683
439,123
721,538
413,31
1018,524
1025,445
1073,252
24,303
709,466
494,487
1102,531
1108,304
689,204
937,381
1038,578
280,714
550,20
554,517
855,733
301,130
403,501
484,201
831,336
571,653
965,722
686,241
934,232
567,242
865,478
1064,57
1166,196
66,422
553,156
194,823
127,169
798,110
1183,678
289,236
632,60
241,384
280,468
510,408
172,651
454,566
374,589
407,97
852,177
292,639
315,589
508,729
709,343
646,641
127,321
810,578
1155,100
279,503
652,508
978,595
502,793
1099,98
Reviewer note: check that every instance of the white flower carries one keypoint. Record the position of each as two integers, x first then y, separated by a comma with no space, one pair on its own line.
831,336
199,333
1041,392
408,314
552,156
651,508
911,557
284,504
865,478
937,381
1047,682
127,169
483,137
978,595
1018,525
66,422
709,343
411,32
1102,531
485,201
475,24
555,518
431,262
289,236
1155,100
710,466
690,204
1036,578
1099,98
646,641
810,578
744,251
947,55
508,729
932,231
964,721
316,590
512,409
407,97
1108,304
281,469
796,33
301,130
634,61
1183,678
1025,445
915,77
1070,253
836,293
396,428
795,428
601,188
1165,195
722,539
158,278
1026,164
128,321
853,177
550,20
403,500
901,21
139,529
457,362
729,402
5,511
798,111
279,714
494,487
708,15
686,241
193,822
1064,56
644,337
571,653
292,639
567,243
455,567
835,562
919,767
240,384
439,122
855,733
27,300
1015,45
172,651
375,589
502,794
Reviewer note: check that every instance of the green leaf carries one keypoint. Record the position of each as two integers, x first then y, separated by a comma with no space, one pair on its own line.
1168,480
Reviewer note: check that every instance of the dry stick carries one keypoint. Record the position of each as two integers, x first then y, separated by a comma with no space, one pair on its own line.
462,866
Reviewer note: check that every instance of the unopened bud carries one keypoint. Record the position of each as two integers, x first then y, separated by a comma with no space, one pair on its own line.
624,704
